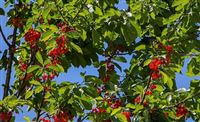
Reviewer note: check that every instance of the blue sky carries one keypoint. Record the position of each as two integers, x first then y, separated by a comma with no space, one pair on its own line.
74,73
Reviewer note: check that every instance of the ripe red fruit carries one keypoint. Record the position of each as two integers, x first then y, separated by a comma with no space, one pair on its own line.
181,111
116,104
44,120
127,114
137,99
153,86
155,64
65,27
166,114
45,77
106,78
110,67
62,117
5,116
52,76
155,75
148,93
28,77
17,22
168,59
98,110
169,48
145,104
32,35
23,66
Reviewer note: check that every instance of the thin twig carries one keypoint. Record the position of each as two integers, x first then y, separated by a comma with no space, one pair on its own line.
79,10
4,38
148,85
59,10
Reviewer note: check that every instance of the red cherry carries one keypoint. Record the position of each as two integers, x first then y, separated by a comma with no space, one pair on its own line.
23,66
153,86
155,75
137,99
155,64
127,114
168,59
145,104
106,78
45,76
148,93
169,48
166,114
32,35
52,76
181,111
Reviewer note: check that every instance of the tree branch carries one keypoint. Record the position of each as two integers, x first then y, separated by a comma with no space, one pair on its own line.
10,62
4,38
79,10
148,85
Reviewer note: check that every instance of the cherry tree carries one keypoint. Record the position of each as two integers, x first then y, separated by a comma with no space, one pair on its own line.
51,36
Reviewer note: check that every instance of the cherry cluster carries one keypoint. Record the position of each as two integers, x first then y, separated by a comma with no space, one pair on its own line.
60,117
17,22
157,62
5,116
65,27
109,69
32,37
44,120
99,110
112,101
23,66
59,50
47,77
181,110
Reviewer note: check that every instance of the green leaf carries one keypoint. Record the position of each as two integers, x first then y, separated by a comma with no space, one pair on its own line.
121,117
167,80
46,35
84,35
136,27
115,111
147,62
73,35
159,88
32,68
27,119
35,82
129,33
57,68
179,2
40,2
193,68
38,89
39,57
46,12
120,59
138,108
76,47
172,18
140,47
28,94
129,105
98,11
2,11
